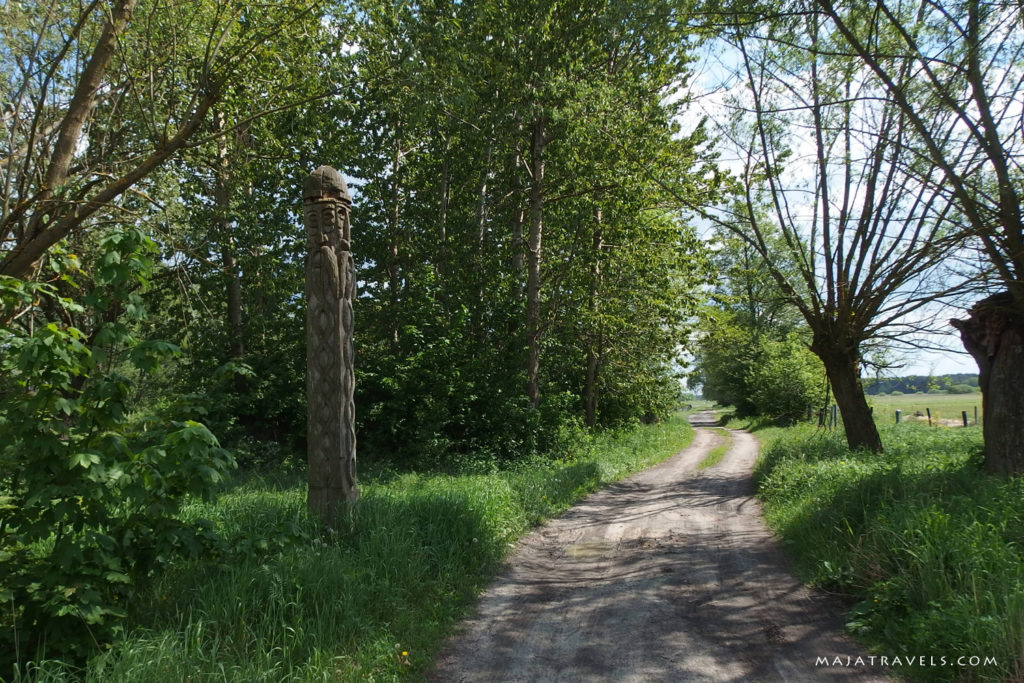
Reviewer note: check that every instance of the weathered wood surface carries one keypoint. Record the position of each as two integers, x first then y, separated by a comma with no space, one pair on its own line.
994,336
330,383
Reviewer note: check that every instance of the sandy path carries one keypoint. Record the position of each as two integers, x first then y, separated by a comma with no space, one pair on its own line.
669,575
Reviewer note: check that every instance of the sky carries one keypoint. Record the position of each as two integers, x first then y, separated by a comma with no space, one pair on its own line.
928,363
935,363
710,90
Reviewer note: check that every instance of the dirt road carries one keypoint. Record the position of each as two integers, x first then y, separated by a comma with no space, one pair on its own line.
669,575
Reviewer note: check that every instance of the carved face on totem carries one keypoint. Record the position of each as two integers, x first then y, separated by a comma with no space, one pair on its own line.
326,223
327,203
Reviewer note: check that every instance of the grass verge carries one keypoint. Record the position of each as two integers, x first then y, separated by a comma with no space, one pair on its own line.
927,547
372,599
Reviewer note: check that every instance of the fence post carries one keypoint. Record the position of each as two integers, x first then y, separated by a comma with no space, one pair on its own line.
898,414
929,416
964,413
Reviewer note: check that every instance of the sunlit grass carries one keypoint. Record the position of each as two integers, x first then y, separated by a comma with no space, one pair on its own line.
946,409
927,545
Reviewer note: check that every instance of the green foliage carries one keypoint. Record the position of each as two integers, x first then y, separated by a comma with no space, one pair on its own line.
372,599
927,543
430,124
89,496
441,398
954,384
444,112
774,377
752,352
786,380
724,361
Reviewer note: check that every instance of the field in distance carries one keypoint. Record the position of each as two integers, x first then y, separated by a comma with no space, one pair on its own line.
945,407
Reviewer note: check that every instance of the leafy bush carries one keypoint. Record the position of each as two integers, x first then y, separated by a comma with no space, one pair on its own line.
773,377
89,501
786,380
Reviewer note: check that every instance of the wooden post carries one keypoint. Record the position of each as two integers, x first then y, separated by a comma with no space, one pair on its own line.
964,413
835,416
975,416
898,413
929,410
330,383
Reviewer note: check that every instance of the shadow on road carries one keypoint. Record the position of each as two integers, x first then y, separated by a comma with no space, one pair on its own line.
668,575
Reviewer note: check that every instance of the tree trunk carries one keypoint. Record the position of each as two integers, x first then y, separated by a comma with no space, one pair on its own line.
518,218
994,336
229,263
533,260
236,347
517,241
394,215
481,204
594,347
842,368
444,202
480,266
518,211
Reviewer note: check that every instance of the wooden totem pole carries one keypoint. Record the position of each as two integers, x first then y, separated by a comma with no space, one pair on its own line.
330,286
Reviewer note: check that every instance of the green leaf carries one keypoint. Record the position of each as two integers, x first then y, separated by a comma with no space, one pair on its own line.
66,406
117,577
84,460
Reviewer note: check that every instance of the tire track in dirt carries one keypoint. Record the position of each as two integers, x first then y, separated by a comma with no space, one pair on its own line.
669,575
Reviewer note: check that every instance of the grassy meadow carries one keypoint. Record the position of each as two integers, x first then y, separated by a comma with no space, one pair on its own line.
371,599
927,548
946,408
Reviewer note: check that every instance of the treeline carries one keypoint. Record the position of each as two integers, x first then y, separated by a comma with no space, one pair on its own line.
520,266
959,383
520,270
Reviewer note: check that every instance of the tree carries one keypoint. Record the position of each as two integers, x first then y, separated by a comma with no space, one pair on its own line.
231,285
752,351
967,61
90,493
829,166
515,218
101,97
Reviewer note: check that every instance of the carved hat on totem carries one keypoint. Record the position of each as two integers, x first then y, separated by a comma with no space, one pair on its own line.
325,182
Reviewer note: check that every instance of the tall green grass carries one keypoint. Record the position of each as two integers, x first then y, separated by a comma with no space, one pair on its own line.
371,599
927,547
